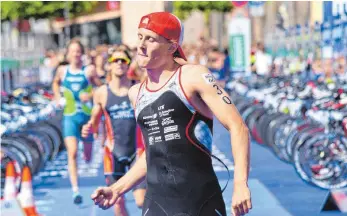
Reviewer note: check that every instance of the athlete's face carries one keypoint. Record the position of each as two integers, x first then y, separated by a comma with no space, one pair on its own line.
119,64
152,49
74,53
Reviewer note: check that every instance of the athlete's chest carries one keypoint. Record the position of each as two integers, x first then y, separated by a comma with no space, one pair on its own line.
119,108
75,82
164,111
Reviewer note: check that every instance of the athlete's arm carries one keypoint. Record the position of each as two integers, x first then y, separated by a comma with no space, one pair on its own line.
106,197
221,105
140,148
133,177
99,103
96,113
56,84
133,92
203,84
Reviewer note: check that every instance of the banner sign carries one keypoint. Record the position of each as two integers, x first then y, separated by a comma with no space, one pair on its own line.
239,34
333,9
337,32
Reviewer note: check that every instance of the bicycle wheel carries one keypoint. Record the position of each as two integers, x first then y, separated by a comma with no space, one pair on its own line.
273,127
30,148
321,161
53,133
264,130
43,139
253,121
301,137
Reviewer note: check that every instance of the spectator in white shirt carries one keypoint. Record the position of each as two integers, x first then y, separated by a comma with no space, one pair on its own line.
263,61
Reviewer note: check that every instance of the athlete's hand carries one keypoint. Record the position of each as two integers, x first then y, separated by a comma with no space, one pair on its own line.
57,101
85,97
87,129
104,197
241,200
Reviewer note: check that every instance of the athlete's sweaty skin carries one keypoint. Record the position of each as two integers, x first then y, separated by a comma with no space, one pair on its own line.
155,53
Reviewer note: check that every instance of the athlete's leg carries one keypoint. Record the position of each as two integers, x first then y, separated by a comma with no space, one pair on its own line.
113,171
102,132
119,207
71,142
139,196
87,151
71,147
87,142
139,191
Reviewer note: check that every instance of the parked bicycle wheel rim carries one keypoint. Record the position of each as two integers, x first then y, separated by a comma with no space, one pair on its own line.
314,172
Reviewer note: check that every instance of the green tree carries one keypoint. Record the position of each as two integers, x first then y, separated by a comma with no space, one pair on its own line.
42,9
182,9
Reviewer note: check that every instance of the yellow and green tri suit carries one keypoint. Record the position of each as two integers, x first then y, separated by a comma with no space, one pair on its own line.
76,112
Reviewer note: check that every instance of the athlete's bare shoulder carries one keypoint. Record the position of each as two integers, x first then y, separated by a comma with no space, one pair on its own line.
60,72
133,91
192,70
100,94
191,74
101,90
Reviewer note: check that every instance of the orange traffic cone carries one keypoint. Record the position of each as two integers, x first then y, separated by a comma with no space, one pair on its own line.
108,165
10,190
26,197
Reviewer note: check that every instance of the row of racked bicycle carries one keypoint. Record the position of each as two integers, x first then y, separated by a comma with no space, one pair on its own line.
30,129
303,123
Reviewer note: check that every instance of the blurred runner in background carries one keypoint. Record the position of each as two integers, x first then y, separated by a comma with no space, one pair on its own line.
75,81
113,102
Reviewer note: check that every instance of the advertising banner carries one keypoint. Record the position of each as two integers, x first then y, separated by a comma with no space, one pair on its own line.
332,9
327,49
337,31
239,34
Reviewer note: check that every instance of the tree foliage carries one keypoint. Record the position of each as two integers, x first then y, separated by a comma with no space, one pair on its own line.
182,9
11,10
